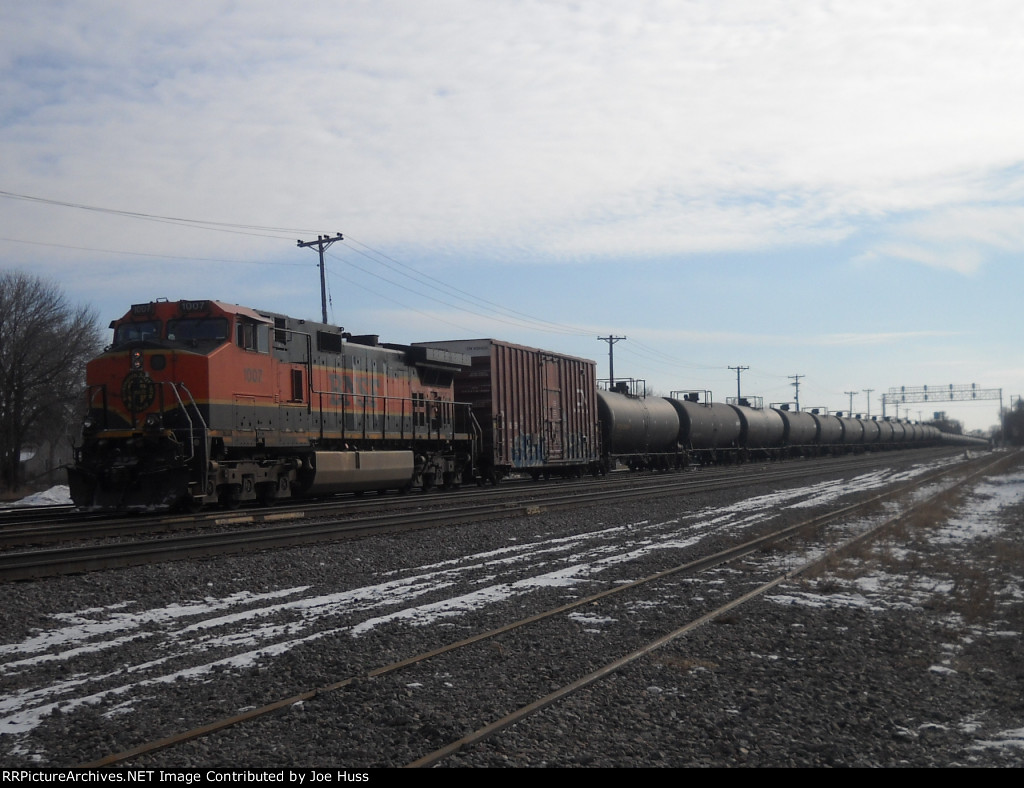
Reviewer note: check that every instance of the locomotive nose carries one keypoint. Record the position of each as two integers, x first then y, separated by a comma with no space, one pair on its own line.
138,391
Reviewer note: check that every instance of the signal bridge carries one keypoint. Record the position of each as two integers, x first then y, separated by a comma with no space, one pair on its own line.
950,393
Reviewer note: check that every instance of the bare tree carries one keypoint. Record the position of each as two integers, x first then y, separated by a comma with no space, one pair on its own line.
45,343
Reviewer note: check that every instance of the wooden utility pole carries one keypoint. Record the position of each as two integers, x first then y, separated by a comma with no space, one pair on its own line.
738,371
322,242
611,340
796,384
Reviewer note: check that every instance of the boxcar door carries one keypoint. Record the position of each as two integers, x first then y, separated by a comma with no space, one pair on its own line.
554,440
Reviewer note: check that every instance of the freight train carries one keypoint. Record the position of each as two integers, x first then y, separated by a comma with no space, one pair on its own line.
202,402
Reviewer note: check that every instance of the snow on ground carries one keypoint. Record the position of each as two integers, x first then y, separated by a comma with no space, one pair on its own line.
1013,739
988,499
55,496
983,516
188,640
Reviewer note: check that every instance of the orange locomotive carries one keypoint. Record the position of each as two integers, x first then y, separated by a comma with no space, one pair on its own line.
200,402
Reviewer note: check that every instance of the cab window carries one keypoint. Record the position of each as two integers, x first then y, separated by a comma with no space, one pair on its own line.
136,332
253,336
208,329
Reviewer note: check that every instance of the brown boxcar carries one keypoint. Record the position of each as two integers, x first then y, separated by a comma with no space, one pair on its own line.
537,409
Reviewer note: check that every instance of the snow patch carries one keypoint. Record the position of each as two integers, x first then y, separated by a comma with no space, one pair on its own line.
55,496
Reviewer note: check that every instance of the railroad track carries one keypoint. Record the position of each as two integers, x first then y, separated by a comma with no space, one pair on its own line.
22,516
53,525
38,526
262,529
757,583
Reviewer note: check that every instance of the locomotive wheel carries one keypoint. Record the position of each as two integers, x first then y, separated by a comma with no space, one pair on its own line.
229,495
188,505
266,493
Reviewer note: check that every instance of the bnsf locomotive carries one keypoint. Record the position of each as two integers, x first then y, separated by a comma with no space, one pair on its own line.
200,402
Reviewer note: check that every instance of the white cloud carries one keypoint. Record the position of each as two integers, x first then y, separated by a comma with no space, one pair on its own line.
793,340
464,123
531,134
958,238
961,259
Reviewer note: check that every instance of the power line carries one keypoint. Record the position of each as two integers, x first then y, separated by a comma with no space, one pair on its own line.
202,224
264,231
147,254
496,311
495,317
404,306
661,356
455,292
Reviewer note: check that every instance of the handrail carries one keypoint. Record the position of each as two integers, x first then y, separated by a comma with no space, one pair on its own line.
184,410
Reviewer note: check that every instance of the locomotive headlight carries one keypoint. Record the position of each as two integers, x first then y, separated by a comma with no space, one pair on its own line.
152,422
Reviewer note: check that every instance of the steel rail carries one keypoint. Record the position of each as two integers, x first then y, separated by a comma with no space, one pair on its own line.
73,560
532,708
69,525
728,554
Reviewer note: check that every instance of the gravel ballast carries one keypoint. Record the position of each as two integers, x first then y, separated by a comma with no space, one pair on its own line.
906,653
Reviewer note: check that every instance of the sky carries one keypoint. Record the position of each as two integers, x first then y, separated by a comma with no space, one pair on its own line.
832,190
